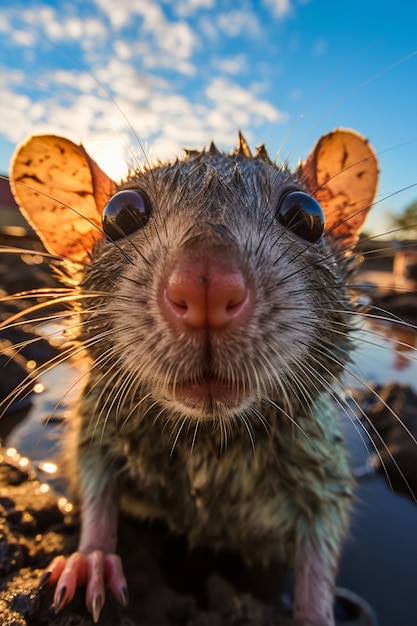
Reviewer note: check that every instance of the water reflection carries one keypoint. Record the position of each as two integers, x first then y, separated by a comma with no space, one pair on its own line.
385,352
403,343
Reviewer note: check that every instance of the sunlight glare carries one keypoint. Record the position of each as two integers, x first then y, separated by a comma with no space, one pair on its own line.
109,156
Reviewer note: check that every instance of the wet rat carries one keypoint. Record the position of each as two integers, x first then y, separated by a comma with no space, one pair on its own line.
215,315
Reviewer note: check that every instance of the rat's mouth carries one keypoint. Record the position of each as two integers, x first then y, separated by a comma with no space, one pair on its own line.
208,395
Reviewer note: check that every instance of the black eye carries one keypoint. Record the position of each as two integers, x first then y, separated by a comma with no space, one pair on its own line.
302,214
125,213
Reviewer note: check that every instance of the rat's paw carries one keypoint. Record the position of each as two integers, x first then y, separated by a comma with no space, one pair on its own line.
96,570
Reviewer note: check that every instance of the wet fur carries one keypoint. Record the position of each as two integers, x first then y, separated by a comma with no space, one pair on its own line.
270,478
178,465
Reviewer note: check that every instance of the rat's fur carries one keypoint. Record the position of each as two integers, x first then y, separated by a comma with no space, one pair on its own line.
271,478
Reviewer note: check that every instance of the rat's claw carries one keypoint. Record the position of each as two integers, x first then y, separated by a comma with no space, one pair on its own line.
70,573
97,605
96,570
54,571
60,599
95,593
44,579
116,579
123,596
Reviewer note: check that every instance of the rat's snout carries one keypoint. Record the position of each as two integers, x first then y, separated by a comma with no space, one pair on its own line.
206,289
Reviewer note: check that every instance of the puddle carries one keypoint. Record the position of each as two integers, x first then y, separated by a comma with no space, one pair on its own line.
41,435
379,560
385,353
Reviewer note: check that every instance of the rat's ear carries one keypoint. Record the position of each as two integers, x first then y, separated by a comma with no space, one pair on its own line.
61,191
342,174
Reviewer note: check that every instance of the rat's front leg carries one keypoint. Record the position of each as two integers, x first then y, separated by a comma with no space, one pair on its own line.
315,571
95,564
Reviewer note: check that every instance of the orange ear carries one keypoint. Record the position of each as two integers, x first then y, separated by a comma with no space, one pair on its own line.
342,174
62,192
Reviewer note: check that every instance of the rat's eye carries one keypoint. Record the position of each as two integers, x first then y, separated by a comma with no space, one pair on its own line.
125,213
302,214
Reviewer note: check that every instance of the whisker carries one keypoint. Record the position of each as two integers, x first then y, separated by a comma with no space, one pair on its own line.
183,422
374,429
357,424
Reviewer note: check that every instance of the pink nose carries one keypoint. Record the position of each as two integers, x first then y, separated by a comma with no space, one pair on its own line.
206,293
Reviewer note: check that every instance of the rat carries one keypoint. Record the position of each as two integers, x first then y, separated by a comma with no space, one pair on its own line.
215,316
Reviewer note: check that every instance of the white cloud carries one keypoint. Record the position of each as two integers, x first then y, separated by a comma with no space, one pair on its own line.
78,82
53,26
161,43
24,38
131,84
118,16
94,28
125,82
177,38
239,21
60,27
77,108
208,28
122,49
232,99
231,65
185,8
280,8
4,23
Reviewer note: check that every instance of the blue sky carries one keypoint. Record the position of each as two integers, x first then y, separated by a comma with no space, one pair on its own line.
183,72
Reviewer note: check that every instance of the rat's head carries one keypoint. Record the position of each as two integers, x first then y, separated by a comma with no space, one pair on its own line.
217,283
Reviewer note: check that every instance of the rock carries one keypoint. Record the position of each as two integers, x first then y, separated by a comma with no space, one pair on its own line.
396,305
391,423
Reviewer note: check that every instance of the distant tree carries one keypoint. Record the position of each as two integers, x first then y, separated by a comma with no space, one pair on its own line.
407,219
